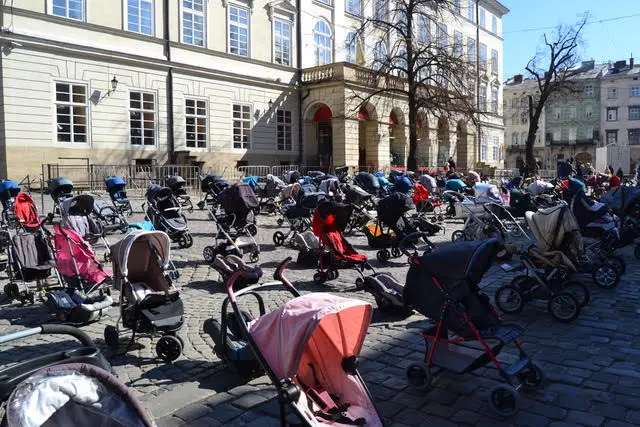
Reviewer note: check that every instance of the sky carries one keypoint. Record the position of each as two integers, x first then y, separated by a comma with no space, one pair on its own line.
612,40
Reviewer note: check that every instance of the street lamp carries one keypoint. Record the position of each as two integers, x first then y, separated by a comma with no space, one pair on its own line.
270,105
114,84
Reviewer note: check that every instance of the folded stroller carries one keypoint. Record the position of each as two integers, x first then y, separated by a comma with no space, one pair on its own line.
308,348
149,303
329,222
9,190
116,188
165,212
176,183
211,186
67,388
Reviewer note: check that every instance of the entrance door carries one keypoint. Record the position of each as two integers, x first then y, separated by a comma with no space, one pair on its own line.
325,144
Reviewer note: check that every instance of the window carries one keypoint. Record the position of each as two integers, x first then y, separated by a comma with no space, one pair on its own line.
471,10
354,7
482,97
193,29
494,61
634,113
573,132
494,100
612,136
284,130
196,123
380,56
381,9
483,148
140,16
238,31
635,90
556,135
514,119
442,36
496,148
557,113
457,6
612,114
572,112
612,93
72,9
514,139
588,111
457,44
71,112
241,126
322,43
423,29
588,90
494,24
524,118
282,42
588,133
634,136
142,118
483,56
471,50
483,18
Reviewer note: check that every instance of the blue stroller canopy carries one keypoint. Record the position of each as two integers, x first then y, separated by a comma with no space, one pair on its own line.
251,180
115,184
383,182
60,186
455,184
379,174
403,185
8,189
395,174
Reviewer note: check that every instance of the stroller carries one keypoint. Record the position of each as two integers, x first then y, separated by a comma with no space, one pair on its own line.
149,303
316,374
268,194
9,190
239,204
363,207
211,186
230,264
60,189
547,267
176,183
298,215
107,215
78,215
165,212
116,189
368,182
73,386
329,222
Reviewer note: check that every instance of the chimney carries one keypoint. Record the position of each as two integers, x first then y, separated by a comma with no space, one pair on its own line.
619,65
518,78
631,62
588,65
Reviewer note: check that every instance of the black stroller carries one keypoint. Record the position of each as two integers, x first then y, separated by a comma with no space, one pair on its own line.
298,215
364,210
149,303
211,187
116,188
368,182
268,194
165,212
177,183
9,190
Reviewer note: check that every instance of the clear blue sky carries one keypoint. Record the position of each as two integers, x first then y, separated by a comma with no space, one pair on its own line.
612,40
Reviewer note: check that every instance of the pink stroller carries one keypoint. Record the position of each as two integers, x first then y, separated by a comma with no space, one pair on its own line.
308,348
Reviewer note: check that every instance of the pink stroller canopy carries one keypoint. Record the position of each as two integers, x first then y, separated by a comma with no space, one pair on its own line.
336,324
85,259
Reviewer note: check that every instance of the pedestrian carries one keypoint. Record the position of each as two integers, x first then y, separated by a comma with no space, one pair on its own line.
452,163
446,168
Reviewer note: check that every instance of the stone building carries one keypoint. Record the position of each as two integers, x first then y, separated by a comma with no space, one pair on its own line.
221,84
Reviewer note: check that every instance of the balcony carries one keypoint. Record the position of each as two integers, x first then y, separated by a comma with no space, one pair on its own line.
346,72
575,142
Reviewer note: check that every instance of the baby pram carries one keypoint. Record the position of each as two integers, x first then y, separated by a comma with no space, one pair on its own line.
317,373
149,303
165,212
211,186
177,183
60,188
268,194
625,203
329,222
239,204
78,215
71,387
468,333
363,207
368,182
9,190
107,215
298,215
116,189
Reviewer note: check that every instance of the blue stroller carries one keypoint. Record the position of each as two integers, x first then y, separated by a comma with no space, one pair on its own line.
116,189
9,190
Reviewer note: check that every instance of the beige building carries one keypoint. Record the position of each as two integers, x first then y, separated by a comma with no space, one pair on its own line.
219,84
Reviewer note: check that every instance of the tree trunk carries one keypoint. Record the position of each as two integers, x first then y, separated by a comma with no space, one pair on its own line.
531,165
412,162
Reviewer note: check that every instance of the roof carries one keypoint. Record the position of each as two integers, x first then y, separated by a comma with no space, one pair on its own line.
611,72
495,6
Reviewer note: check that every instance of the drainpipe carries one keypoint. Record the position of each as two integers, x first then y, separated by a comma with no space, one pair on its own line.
299,82
169,83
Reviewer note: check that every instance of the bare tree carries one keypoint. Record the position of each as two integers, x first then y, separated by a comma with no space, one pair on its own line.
552,68
412,62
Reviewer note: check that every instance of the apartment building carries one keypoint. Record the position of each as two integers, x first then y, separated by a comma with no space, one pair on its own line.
220,84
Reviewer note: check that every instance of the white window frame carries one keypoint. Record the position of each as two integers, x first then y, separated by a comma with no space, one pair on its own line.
514,138
634,132
588,133
196,116
316,47
635,90
588,111
282,21
471,10
612,117
495,151
142,110
424,29
71,104
204,22
588,90
458,42
240,26
483,62
573,112
125,12
242,104
637,112
494,24
573,135
495,105
495,61
472,50
84,10
556,135
347,3
613,132
442,36
380,13
483,148
612,93
285,125
482,20
557,113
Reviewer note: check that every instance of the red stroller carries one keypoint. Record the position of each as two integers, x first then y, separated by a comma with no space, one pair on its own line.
329,222
26,211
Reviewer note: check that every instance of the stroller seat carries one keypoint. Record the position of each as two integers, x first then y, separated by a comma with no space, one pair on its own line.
230,264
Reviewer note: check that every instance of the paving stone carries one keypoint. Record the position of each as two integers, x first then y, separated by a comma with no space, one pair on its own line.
192,412
549,411
585,418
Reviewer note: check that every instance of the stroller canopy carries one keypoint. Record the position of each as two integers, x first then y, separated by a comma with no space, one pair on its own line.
454,184
576,187
26,211
175,182
486,193
238,199
60,186
273,185
319,324
367,181
555,228
76,253
334,215
252,181
214,182
8,189
115,184
125,259
538,187
403,184
330,186
156,193
291,177
623,199
392,207
80,205
429,182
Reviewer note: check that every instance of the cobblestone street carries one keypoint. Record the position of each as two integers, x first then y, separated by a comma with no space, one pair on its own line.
591,364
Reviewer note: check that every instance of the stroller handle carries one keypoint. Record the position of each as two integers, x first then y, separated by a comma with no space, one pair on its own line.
81,336
278,276
411,237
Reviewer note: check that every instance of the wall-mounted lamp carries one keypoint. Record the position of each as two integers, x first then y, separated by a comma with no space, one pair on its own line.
96,98
270,105
114,85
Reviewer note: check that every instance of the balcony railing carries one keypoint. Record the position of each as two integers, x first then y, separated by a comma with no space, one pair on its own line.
574,142
344,71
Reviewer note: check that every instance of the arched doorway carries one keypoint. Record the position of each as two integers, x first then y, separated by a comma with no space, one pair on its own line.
397,139
444,144
461,152
367,138
324,135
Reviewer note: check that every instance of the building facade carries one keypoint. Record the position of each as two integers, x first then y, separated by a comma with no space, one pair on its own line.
220,84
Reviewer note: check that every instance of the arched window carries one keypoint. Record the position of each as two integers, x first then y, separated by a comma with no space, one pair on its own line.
380,55
322,43
514,139
524,137
524,118
353,48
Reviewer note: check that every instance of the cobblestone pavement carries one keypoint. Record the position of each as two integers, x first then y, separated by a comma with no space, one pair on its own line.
591,365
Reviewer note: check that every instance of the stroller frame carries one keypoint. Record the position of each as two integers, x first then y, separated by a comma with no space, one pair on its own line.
225,244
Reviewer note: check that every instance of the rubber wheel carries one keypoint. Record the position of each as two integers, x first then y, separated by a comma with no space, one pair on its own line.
320,277
168,348
419,376
348,229
252,229
636,251
533,378
564,307
578,290
280,221
617,263
359,283
331,275
209,254
185,241
504,400
509,299
395,253
606,277
254,257
278,238
111,336
458,236
383,255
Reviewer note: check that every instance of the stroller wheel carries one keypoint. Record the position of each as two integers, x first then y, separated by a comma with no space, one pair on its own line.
320,277
504,400
458,236
185,241
278,238
359,283
111,336
440,218
617,263
564,307
606,277
280,221
383,255
209,254
509,299
11,290
533,378
395,253
201,205
578,290
332,275
254,257
252,229
168,348
419,376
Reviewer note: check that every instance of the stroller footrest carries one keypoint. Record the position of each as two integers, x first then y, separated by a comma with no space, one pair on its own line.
517,367
505,333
